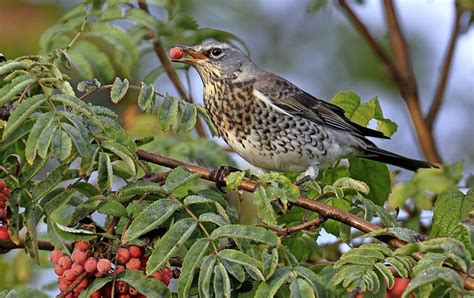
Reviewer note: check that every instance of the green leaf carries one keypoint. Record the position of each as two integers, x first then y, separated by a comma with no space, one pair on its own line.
451,207
208,121
77,138
32,142
122,152
56,240
245,232
168,112
349,183
170,243
399,267
63,58
179,177
188,116
435,276
221,281
119,89
17,85
140,188
56,202
49,182
141,17
150,287
151,218
270,262
22,112
386,273
214,218
205,275
46,139
234,179
197,199
354,110
299,288
11,66
61,145
269,288
191,263
72,234
264,207
154,74
312,278
104,172
146,98
113,208
399,232
375,174
238,257
96,284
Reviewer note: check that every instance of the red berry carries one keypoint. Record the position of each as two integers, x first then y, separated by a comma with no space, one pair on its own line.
90,265
135,251
3,197
3,213
157,275
6,191
132,291
100,274
58,270
103,265
77,268
134,264
65,262
4,233
167,272
82,245
78,256
70,295
176,53
96,294
107,290
2,184
398,287
55,255
81,286
123,255
122,287
64,285
119,268
69,275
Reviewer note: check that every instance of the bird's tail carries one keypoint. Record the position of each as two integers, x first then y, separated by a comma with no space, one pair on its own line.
385,156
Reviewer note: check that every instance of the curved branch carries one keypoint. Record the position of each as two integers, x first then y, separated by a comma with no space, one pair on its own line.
445,70
7,245
322,209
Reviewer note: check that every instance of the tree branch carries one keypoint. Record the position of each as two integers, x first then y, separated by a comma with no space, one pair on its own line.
445,70
76,282
314,223
324,210
170,71
7,245
400,71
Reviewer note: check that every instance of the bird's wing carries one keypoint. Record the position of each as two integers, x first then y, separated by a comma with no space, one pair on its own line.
289,99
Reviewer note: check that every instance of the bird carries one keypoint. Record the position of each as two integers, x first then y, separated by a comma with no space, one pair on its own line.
273,124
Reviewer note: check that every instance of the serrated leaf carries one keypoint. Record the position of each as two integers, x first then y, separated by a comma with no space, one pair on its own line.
61,145
179,177
17,85
214,218
63,58
72,234
45,139
347,182
386,273
151,218
299,288
269,262
312,278
236,270
56,202
142,18
150,287
55,239
104,172
170,243
146,98
375,175
197,199
191,262
221,282
96,284
234,179
399,266
205,276
264,207
168,112
119,89
122,152
435,275
81,145
140,188
31,146
49,182
238,257
245,232
188,116
269,288
22,112
451,207
11,66
113,208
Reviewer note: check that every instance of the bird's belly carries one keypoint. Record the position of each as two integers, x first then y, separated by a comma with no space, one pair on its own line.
290,144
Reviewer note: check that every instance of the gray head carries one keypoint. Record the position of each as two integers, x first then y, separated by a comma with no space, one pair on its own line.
216,60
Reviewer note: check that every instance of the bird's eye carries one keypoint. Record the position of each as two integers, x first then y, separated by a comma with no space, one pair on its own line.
216,52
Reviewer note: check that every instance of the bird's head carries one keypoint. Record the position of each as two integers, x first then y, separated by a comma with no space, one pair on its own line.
212,59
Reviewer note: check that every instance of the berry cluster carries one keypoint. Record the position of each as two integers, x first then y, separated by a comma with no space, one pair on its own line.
84,259
5,192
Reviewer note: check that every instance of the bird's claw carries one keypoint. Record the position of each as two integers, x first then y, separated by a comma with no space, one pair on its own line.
302,180
219,174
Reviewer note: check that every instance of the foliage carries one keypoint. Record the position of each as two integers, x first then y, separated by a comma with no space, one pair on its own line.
73,168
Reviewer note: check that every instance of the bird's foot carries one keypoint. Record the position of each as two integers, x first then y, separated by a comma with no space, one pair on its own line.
219,174
303,180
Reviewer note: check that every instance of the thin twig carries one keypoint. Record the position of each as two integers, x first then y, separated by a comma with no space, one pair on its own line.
170,71
76,282
81,30
445,70
314,223
7,245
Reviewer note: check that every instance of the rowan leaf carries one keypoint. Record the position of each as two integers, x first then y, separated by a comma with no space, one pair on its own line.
270,287
238,257
22,112
299,288
245,232
31,146
190,264
119,89
104,172
168,113
150,287
205,276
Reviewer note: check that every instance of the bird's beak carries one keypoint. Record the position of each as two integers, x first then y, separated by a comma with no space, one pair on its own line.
196,56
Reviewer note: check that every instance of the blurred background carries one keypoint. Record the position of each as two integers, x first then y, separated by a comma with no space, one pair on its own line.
314,47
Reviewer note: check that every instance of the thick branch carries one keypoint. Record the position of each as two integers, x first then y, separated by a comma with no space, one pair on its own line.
324,210
445,70
170,71
7,245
